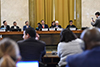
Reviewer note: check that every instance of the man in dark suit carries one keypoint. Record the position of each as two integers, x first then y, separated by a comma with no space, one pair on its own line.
96,23
5,26
57,25
91,56
26,25
43,25
30,48
15,27
71,25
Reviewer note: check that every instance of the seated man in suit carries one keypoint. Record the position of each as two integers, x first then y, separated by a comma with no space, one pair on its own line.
91,56
15,27
30,48
71,25
57,25
5,26
26,25
43,25
96,23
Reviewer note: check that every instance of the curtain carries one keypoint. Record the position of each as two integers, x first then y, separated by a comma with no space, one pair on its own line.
64,11
44,10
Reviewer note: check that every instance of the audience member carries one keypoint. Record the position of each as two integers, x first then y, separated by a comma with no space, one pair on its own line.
5,26
97,22
26,25
69,44
91,55
53,24
43,25
15,27
57,25
71,25
9,53
38,25
30,48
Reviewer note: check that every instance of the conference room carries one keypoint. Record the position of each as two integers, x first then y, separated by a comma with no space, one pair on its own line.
46,31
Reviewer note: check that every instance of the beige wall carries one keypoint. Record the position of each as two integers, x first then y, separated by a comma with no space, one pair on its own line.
89,7
14,10
18,10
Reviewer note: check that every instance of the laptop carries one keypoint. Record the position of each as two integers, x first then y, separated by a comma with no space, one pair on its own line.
27,64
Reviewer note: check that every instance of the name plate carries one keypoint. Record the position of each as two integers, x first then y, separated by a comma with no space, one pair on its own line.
51,29
2,30
72,28
44,29
59,29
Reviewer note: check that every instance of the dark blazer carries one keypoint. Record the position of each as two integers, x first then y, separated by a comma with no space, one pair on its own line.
89,58
59,26
96,23
53,26
31,49
73,26
46,26
24,27
17,28
7,27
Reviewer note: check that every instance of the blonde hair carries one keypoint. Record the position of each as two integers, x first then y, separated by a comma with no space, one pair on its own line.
8,50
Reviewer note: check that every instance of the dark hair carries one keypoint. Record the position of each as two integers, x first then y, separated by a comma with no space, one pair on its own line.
31,32
70,21
26,22
67,35
42,20
4,21
39,23
52,23
14,22
97,13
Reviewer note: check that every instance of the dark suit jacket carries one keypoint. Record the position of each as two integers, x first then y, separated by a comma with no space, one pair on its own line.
7,27
73,26
24,27
89,58
17,28
96,23
46,26
31,49
53,26
59,26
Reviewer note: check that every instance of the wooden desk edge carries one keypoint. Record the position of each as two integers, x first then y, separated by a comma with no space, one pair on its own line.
39,32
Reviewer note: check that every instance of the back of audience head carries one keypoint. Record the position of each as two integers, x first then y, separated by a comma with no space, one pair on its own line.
67,35
4,22
9,53
91,38
97,14
29,33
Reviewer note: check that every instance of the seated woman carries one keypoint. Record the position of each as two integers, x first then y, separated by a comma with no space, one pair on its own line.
53,24
69,44
71,25
9,53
